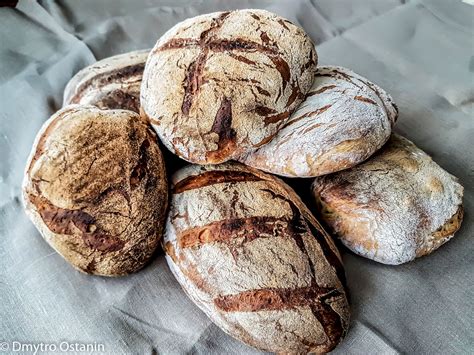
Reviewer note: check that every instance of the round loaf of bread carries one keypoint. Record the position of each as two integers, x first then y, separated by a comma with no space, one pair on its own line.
111,83
395,207
253,258
95,187
343,120
218,85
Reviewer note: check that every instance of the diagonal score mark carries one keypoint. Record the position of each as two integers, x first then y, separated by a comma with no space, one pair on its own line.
193,78
271,299
207,43
329,319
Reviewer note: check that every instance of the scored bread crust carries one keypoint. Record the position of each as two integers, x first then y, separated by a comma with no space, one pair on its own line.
221,84
249,253
396,206
96,188
111,83
343,120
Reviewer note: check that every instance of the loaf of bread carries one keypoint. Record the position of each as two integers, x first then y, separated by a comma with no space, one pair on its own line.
343,120
218,85
395,207
253,258
95,187
111,83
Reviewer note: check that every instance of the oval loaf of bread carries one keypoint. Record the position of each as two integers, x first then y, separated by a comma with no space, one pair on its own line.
95,187
343,120
111,83
218,85
396,206
253,258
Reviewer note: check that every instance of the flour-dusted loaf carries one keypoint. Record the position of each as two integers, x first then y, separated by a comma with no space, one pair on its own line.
343,120
395,207
253,258
111,83
218,85
95,187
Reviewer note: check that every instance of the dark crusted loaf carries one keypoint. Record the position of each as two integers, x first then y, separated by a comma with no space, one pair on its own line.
95,187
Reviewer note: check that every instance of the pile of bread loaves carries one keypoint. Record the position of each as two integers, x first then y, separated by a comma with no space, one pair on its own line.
237,93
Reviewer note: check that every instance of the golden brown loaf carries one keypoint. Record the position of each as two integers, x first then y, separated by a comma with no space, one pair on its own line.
395,207
343,120
253,258
218,85
95,187
111,83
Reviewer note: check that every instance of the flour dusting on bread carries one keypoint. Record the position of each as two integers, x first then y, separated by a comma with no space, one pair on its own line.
111,83
394,207
253,258
343,120
218,85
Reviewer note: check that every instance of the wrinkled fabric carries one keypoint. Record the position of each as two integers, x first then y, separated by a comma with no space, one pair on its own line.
419,51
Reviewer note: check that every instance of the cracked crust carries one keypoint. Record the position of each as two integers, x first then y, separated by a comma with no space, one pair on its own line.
111,83
395,207
343,120
250,254
218,85
95,187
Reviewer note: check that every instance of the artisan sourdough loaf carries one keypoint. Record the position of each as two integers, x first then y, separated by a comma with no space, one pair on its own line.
218,85
253,258
95,187
111,83
395,207
343,120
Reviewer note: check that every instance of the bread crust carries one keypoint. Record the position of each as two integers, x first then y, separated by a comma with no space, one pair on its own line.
396,206
95,187
111,83
221,84
249,253
343,120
